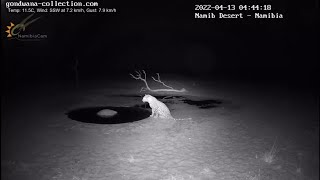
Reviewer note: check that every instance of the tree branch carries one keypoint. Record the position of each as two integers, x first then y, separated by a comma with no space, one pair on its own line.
159,81
147,88
138,76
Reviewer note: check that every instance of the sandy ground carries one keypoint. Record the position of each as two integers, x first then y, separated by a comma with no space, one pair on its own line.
229,142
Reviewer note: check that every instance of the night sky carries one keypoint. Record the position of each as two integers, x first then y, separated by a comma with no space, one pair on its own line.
165,38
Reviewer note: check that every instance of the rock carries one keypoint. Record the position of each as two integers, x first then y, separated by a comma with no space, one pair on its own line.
106,113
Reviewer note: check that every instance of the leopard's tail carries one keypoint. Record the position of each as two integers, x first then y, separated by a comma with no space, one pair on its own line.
182,119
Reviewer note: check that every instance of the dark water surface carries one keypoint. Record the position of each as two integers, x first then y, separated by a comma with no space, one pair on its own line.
124,115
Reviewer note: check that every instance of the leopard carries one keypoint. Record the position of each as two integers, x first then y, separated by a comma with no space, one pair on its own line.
159,109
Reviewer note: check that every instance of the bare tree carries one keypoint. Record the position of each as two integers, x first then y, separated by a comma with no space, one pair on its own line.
138,76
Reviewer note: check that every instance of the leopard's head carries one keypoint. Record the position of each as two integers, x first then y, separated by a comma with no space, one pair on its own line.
145,98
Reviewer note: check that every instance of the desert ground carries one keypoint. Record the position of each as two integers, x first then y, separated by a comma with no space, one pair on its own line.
258,132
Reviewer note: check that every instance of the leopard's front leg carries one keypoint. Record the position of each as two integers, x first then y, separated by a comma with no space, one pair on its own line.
156,114
152,114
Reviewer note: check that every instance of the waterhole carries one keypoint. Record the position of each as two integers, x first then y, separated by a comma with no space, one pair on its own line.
120,115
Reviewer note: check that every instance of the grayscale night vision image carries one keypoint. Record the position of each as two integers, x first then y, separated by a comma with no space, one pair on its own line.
201,90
